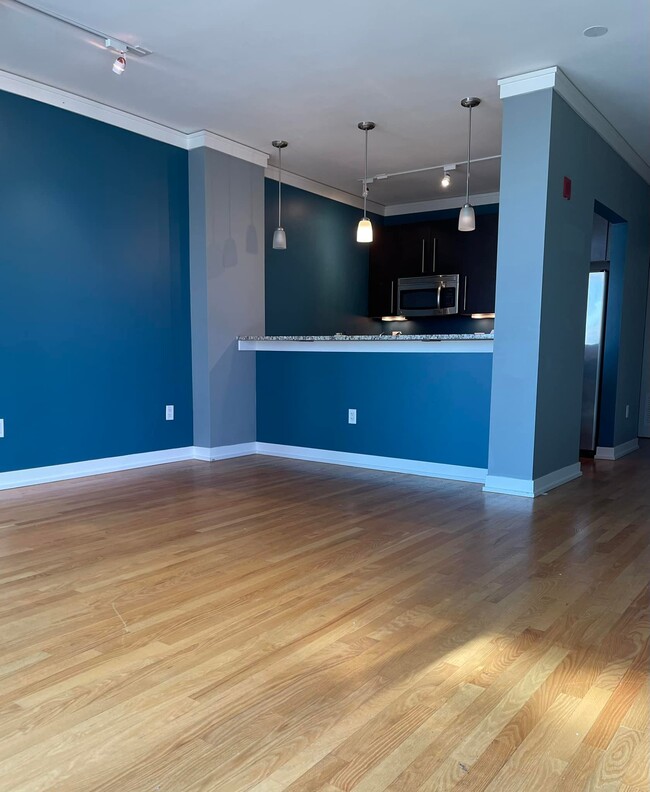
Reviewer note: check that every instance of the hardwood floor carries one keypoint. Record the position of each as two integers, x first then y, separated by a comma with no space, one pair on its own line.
268,625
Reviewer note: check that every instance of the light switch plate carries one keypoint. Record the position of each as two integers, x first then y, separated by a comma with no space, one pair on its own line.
352,416
169,412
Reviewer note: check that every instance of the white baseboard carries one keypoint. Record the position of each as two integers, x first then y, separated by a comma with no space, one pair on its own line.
224,452
531,488
95,467
616,452
391,464
92,467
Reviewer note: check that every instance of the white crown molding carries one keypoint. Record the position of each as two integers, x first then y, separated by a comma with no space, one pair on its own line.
226,146
90,108
22,86
324,190
531,488
439,204
616,452
528,82
555,78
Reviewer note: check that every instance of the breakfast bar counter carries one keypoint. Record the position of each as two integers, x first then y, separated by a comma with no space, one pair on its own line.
424,413
450,343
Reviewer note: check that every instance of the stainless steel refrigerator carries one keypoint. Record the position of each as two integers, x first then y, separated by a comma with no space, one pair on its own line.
594,342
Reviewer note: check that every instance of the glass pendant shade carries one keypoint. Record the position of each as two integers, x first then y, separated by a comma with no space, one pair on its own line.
279,239
279,235
364,230
467,218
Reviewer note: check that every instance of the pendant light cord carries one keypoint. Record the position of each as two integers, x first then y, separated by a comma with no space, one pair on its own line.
280,191
365,181
469,146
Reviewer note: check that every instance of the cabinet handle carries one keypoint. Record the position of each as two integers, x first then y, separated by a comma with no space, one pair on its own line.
423,256
465,296
433,267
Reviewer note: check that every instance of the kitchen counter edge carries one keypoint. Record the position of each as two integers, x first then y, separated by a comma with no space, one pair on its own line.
465,342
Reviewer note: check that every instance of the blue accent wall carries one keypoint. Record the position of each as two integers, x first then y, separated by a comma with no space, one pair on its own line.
319,284
94,289
429,407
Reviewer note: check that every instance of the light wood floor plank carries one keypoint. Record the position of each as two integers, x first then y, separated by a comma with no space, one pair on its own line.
259,625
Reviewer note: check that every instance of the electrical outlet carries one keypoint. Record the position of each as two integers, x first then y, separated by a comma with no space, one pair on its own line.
627,410
2,427
169,412
352,416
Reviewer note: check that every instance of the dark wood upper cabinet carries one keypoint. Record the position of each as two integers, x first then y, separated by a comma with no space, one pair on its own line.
435,247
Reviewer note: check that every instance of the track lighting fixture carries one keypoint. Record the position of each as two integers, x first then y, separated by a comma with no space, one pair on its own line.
446,178
467,218
119,64
279,235
121,47
364,229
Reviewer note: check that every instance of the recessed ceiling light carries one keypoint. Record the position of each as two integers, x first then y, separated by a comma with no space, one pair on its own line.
594,31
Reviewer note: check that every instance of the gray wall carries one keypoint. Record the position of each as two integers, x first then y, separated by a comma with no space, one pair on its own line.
520,266
543,263
644,407
598,174
227,285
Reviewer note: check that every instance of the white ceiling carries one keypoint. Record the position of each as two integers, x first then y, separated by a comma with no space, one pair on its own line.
253,71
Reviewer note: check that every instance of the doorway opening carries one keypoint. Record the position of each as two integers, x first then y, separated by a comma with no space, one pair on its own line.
602,329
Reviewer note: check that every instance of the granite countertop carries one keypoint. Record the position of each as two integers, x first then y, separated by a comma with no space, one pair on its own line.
343,337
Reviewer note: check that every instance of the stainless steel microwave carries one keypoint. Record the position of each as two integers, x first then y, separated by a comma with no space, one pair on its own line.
431,295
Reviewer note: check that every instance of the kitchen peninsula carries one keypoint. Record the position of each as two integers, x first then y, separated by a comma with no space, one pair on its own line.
425,413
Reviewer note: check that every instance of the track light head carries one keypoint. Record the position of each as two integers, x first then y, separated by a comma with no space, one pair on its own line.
119,64
446,180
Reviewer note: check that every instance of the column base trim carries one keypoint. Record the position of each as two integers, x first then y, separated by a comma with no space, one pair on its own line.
224,452
531,488
616,452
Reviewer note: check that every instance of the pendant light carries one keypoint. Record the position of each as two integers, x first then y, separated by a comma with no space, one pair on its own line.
279,235
467,218
364,229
